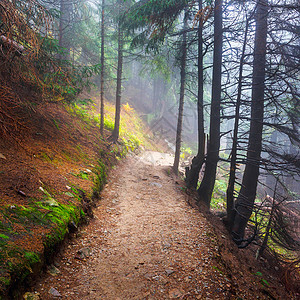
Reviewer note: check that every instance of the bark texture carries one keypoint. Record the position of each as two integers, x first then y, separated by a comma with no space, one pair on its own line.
246,198
232,172
206,187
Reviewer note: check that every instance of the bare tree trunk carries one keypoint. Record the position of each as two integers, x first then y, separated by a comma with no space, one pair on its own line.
232,172
181,97
206,187
246,198
64,24
115,134
192,174
102,72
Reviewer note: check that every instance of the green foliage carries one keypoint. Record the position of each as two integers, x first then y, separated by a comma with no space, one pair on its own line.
219,194
62,78
81,112
131,142
263,281
56,124
185,152
82,175
31,257
3,236
108,124
157,65
153,19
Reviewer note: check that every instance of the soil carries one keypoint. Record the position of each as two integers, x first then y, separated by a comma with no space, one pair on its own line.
147,241
51,150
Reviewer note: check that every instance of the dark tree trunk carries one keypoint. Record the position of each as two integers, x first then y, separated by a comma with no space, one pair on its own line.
192,175
181,97
206,187
246,198
115,134
232,172
102,72
64,26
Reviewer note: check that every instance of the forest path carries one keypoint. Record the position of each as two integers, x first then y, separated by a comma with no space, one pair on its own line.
144,242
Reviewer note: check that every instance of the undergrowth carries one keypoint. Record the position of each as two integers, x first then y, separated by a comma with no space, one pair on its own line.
45,215
132,131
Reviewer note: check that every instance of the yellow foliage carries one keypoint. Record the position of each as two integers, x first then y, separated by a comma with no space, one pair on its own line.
127,107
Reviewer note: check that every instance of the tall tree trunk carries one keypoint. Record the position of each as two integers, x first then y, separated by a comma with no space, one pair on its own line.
232,172
64,24
102,72
206,187
181,97
115,134
192,174
246,198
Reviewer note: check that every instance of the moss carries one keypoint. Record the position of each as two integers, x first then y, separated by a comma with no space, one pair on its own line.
4,281
100,178
3,237
82,214
18,261
32,257
45,157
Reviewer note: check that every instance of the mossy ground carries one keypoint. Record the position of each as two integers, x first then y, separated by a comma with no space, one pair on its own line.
48,181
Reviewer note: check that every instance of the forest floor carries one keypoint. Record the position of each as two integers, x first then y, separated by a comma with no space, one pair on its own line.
146,241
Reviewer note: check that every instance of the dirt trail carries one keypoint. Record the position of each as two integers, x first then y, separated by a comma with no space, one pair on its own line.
145,242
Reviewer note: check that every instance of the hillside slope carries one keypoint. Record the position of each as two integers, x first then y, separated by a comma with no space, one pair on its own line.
51,173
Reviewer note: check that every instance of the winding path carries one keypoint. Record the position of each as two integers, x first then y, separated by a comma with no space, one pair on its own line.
145,242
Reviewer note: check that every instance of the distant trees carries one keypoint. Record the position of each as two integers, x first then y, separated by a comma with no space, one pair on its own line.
183,51
255,85
66,7
248,92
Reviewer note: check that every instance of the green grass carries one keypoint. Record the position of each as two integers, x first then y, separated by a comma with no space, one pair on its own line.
109,124
132,131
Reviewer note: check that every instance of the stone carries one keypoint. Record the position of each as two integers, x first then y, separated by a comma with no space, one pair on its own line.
54,292
21,193
169,271
52,270
159,279
83,253
175,294
156,184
